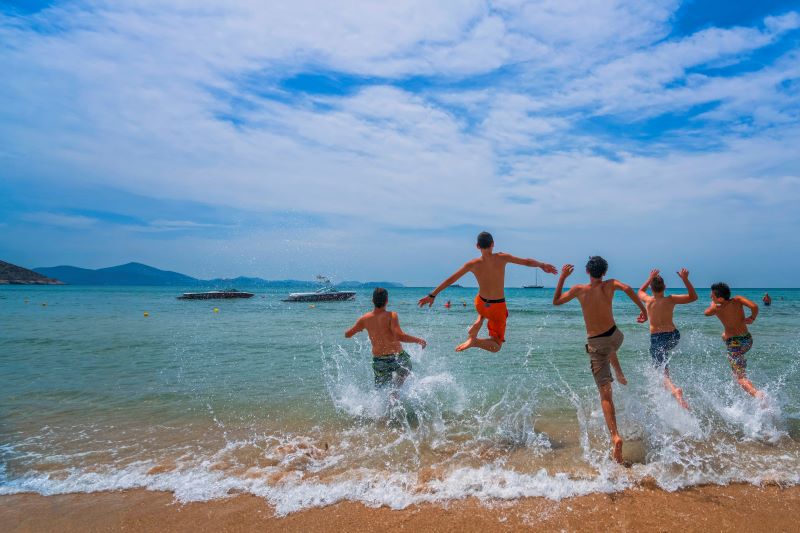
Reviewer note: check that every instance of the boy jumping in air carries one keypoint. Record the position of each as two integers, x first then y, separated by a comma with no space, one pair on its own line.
490,303
390,363
738,341
604,338
664,336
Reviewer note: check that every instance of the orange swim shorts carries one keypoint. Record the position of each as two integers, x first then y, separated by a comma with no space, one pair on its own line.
496,313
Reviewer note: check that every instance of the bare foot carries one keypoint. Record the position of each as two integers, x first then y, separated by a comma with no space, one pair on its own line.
679,396
621,378
617,453
469,343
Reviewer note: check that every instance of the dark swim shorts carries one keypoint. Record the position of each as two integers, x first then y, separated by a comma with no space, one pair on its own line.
385,366
661,344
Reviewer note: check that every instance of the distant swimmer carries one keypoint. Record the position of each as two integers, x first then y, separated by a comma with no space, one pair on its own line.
604,339
738,341
767,299
490,303
390,363
664,336
447,304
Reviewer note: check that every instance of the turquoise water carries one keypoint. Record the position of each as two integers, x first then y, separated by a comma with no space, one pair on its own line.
268,397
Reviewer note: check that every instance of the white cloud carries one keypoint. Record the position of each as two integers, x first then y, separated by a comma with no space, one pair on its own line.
130,96
60,220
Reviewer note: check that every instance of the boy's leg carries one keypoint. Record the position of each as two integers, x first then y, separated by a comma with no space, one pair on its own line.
676,391
748,386
612,358
490,344
610,415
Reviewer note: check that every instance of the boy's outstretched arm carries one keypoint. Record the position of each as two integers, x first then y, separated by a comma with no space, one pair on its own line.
749,304
558,298
547,267
358,326
685,298
711,309
634,298
446,283
402,336
643,289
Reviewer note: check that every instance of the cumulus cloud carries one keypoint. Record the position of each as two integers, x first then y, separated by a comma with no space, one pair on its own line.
454,113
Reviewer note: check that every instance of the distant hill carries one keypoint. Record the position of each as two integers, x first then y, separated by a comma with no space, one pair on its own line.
16,275
139,274
128,274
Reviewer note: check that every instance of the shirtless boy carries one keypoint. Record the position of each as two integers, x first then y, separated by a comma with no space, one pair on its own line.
390,363
664,336
604,338
490,271
738,340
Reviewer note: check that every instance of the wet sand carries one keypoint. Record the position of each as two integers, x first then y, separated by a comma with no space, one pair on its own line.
709,508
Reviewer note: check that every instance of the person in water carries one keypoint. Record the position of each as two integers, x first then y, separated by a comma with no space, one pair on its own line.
490,303
767,299
738,341
664,336
390,363
604,338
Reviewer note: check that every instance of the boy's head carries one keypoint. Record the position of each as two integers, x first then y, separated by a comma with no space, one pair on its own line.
380,296
658,284
721,292
485,240
596,267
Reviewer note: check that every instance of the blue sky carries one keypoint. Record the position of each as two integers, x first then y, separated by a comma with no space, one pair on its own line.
374,140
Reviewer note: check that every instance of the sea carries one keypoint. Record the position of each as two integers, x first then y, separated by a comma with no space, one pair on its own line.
114,388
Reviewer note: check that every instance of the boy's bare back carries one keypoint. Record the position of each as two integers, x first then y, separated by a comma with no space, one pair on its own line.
490,272
731,314
660,311
380,327
596,303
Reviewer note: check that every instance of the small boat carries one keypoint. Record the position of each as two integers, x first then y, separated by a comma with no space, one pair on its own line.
215,295
326,293
537,285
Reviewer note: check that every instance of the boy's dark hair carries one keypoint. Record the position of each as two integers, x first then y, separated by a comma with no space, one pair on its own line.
485,240
597,266
658,284
380,296
721,290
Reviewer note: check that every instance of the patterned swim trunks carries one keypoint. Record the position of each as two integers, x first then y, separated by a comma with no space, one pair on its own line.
386,365
738,346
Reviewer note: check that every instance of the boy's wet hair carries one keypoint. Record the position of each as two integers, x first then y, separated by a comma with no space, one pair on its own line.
597,266
721,290
380,296
658,284
485,240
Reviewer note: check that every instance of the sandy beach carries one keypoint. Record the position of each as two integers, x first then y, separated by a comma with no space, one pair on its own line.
708,508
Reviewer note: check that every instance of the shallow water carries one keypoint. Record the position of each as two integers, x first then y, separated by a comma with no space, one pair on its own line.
268,398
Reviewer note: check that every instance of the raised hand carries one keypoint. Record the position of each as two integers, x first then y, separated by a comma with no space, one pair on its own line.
427,300
550,269
653,273
683,274
567,270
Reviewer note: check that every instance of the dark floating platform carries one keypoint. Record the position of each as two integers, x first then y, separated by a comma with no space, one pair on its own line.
215,295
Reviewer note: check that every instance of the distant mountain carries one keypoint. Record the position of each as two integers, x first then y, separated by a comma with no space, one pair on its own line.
139,274
16,275
128,274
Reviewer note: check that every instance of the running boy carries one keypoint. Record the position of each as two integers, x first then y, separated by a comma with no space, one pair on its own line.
490,271
604,338
664,336
390,363
738,340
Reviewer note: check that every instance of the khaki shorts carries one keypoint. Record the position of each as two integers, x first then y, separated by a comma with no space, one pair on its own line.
599,348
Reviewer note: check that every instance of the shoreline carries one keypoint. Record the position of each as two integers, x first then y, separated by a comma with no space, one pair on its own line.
737,507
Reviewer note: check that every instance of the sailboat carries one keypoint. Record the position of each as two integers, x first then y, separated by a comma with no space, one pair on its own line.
537,285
